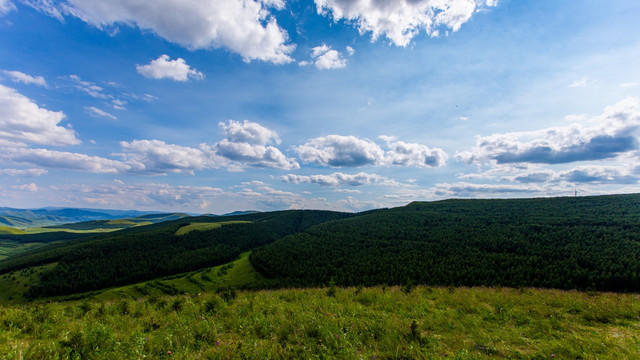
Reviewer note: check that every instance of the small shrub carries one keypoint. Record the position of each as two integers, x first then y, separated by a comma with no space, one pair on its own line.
212,305
124,307
408,286
331,292
227,294
358,289
415,334
177,304
84,308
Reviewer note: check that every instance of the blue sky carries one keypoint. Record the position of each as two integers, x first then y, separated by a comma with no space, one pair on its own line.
211,107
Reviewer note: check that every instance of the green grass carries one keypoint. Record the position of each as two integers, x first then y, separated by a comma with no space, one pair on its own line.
11,230
364,323
205,226
15,283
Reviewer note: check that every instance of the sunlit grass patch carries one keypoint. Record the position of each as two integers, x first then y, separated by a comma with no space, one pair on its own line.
204,226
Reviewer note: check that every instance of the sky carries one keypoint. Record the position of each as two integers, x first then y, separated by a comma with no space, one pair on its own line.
218,106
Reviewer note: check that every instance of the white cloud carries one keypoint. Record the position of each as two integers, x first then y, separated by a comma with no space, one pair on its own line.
350,151
613,134
23,121
151,196
155,157
47,7
401,20
246,143
62,160
629,84
26,187
576,117
20,77
464,189
402,153
23,172
165,68
89,88
323,57
245,27
599,174
94,111
350,50
593,174
580,82
6,6
338,151
248,132
338,179
118,104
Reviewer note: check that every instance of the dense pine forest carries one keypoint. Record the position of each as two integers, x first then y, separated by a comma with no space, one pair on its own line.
566,243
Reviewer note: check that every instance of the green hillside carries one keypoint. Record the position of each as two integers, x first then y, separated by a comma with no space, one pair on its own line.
566,243
10,230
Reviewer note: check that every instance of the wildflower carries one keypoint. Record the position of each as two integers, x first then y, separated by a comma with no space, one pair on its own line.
217,342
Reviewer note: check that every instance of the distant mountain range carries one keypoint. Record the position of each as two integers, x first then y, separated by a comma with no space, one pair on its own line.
29,218
51,216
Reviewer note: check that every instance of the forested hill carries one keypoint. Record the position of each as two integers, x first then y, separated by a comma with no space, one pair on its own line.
577,242
146,252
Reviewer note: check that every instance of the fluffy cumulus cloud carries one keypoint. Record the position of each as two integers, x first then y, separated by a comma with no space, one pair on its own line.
418,155
155,157
338,179
245,27
23,121
401,20
339,151
247,143
609,135
62,160
350,151
324,57
20,77
165,68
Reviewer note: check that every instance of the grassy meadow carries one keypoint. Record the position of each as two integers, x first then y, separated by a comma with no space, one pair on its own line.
348,323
